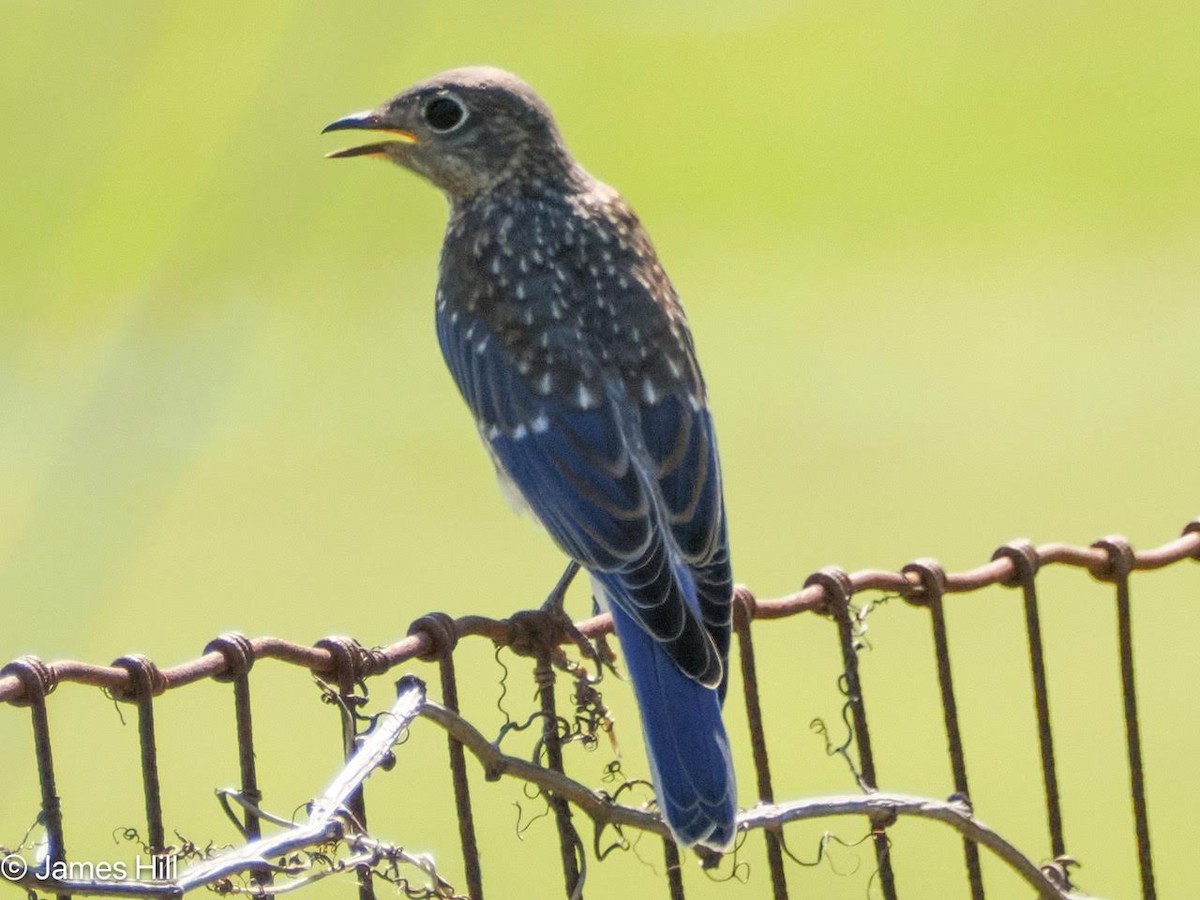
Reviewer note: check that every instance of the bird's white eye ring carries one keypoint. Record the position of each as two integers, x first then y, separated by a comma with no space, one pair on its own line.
444,113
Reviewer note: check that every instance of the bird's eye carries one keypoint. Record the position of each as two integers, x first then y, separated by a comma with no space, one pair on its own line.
444,114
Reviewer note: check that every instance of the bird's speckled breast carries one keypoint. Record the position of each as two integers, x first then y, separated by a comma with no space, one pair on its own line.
569,286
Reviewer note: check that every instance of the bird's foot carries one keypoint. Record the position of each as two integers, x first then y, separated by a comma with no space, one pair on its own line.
549,626
598,653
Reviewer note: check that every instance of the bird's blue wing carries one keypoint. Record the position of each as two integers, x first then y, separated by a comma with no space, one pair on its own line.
681,444
587,479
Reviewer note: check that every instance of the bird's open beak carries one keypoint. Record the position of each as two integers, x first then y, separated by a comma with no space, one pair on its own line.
367,121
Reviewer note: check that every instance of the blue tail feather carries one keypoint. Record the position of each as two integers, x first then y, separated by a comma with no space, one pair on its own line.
685,738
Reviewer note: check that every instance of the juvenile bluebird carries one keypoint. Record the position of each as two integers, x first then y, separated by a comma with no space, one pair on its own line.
568,342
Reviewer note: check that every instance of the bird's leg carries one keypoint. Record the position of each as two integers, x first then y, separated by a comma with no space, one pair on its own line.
554,601
553,607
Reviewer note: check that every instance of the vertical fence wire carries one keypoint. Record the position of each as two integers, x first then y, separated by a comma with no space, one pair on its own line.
38,681
146,681
1120,556
568,840
51,806
347,658
743,612
246,766
238,651
933,584
358,802
838,590
439,627
156,833
1024,558
245,740
462,788
674,870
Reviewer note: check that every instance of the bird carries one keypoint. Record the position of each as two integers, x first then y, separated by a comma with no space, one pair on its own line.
568,342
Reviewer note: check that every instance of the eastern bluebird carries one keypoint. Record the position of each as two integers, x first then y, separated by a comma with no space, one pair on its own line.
568,342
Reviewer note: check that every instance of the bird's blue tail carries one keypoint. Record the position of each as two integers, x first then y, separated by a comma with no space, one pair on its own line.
685,739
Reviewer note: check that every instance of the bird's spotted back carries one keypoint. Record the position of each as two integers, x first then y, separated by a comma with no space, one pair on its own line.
569,286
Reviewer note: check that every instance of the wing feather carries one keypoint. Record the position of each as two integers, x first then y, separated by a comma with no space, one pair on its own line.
619,464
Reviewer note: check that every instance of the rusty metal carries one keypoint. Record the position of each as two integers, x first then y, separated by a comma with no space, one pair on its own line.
1024,557
674,869
743,614
347,664
38,681
568,839
839,589
321,662
441,627
931,580
352,664
1119,562
238,652
145,683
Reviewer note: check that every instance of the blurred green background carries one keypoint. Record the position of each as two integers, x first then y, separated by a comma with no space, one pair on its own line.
941,260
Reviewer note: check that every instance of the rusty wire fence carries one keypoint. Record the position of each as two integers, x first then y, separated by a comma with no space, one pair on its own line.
279,855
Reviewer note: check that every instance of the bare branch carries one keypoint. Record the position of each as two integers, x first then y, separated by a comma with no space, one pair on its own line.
882,808
496,763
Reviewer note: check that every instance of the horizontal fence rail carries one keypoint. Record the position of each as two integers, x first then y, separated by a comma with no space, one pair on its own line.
344,665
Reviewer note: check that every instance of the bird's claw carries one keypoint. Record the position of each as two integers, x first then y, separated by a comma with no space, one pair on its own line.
542,631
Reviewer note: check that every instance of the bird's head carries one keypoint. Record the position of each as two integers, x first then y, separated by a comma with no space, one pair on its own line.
466,130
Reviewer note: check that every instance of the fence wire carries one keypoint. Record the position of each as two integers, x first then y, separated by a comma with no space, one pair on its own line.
336,838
